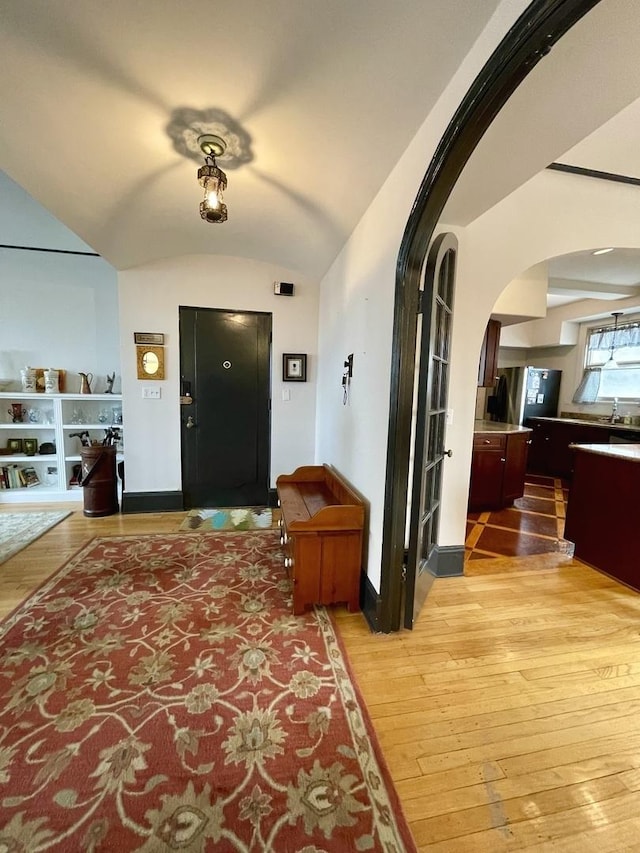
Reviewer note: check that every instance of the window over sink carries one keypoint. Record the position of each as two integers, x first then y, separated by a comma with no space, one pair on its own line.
614,356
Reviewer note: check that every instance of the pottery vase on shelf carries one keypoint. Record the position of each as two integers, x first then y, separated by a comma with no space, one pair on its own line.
28,378
51,381
17,413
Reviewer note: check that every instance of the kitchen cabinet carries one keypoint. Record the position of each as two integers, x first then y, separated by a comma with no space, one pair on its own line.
550,452
498,467
488,365
515,466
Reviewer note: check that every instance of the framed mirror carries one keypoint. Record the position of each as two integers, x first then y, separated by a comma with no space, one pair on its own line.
150,362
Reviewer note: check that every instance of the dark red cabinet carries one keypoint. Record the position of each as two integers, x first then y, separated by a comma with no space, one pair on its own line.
488,365
498,467
550,452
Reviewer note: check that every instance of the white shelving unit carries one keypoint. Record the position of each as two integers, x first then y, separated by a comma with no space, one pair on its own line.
52,419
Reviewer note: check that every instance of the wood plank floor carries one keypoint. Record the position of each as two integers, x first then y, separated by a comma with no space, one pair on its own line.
509,717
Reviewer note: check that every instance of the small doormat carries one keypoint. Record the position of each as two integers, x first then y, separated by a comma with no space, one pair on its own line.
229,518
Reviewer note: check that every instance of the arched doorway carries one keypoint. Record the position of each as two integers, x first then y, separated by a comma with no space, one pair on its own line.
533,35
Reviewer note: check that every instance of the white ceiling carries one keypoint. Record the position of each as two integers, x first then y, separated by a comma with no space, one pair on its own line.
330,93
612,148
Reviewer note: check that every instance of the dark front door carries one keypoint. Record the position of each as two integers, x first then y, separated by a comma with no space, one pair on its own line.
431,420
225,366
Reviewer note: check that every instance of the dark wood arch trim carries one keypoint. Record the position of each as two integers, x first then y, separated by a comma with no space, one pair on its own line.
531,37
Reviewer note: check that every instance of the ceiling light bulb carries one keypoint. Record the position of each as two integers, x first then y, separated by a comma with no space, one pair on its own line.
213,199
602,251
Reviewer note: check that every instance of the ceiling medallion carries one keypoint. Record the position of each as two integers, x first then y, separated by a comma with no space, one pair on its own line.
188,125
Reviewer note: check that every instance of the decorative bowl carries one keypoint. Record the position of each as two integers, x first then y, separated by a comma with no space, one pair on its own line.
5,384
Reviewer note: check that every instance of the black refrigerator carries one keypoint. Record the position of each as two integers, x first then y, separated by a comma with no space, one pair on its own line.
526,392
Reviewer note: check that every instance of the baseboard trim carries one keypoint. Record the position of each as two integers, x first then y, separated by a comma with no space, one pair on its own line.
152,502
449,561
371,603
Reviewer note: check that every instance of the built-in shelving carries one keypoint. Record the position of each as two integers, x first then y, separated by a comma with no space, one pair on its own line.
52,419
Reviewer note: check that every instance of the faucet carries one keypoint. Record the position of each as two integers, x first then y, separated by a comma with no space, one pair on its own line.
614,411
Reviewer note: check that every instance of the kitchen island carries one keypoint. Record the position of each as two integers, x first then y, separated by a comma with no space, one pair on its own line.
603,517
498,464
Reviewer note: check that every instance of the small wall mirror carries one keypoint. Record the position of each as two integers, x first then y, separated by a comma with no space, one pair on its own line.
150,362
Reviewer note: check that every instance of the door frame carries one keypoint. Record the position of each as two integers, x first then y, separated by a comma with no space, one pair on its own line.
532,36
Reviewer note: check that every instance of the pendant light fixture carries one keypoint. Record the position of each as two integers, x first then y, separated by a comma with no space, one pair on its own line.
611,362
212,178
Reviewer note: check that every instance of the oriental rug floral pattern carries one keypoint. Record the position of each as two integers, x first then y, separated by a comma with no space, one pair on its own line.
157,694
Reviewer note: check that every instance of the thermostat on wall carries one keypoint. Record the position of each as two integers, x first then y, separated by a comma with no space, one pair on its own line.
283,288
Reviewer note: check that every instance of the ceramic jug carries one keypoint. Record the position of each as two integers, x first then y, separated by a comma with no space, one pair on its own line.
51,385
85,382
28,377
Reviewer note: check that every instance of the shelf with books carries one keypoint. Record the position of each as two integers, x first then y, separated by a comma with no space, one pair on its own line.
18,476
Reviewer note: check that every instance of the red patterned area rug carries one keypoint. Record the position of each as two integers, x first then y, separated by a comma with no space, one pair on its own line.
157,694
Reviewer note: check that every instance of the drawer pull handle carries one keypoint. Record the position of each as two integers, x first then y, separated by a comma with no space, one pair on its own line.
282,540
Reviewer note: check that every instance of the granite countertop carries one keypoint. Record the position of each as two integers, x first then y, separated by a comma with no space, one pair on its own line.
592,423
630,452
496,426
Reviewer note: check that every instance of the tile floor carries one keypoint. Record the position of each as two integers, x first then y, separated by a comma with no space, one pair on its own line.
533,525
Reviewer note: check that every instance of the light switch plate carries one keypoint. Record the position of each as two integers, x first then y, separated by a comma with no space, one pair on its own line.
149,393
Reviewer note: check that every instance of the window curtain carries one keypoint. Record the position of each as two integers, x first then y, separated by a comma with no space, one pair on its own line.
626,336
587,390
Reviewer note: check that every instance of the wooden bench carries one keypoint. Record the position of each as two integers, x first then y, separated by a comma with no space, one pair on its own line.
322,526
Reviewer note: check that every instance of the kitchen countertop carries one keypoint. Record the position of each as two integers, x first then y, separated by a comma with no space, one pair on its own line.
496,426
629,452
584,422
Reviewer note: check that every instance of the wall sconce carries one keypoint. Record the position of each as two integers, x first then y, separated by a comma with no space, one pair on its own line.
212,179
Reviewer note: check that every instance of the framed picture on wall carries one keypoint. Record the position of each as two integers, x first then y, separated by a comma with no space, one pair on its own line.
294,367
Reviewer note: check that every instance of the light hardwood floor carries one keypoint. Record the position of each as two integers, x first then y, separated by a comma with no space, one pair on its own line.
509,717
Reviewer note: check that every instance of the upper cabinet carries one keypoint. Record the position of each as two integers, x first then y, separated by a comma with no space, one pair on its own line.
488,366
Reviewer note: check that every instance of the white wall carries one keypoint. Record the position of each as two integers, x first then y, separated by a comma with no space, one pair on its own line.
56,310
356,307
526,295
149,301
